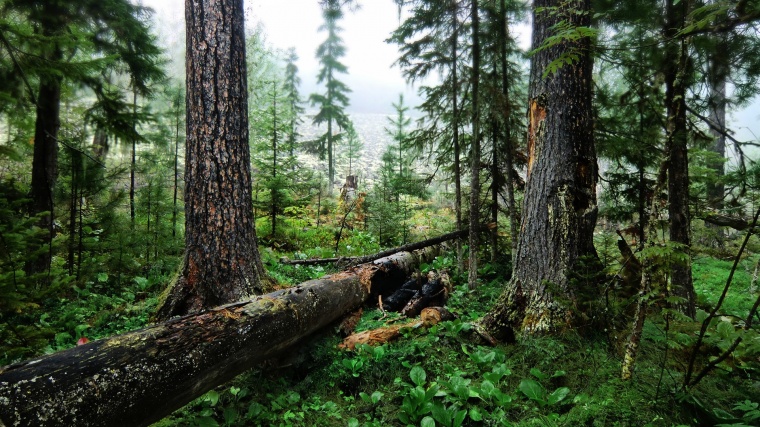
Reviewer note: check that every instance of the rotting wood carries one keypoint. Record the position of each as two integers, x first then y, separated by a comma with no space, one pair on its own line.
428,317
349,261
137,378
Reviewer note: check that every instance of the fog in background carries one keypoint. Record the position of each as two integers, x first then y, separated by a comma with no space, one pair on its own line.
372,78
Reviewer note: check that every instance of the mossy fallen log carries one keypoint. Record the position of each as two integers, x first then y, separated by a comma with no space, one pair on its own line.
139,377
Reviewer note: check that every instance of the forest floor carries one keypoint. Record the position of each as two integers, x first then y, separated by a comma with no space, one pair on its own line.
446,376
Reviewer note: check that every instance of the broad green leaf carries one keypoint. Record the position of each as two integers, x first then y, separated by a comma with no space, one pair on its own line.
459,417
427,422
102,277
475,414
440,414
538,374
725,329
230,416
212,397
417,374
533,390
206,422
487,388
558,395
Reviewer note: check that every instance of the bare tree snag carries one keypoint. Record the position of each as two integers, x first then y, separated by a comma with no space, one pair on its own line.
137,378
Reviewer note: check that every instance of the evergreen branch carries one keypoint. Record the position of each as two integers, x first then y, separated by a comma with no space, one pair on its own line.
10,49
714,126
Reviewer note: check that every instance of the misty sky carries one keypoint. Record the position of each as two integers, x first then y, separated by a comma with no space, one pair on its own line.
295,23
373,80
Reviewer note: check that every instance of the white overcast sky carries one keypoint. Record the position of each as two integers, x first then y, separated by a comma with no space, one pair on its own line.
375,83
295,23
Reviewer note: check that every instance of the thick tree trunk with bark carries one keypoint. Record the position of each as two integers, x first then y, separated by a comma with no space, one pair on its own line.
559,211
45,159
222,263
678,161
139,377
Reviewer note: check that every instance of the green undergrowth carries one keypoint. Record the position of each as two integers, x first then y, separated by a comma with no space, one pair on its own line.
710,276
445,376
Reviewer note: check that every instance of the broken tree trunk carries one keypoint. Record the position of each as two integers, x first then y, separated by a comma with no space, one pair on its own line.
137,378
388,252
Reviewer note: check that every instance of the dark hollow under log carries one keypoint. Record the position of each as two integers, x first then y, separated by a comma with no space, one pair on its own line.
137,378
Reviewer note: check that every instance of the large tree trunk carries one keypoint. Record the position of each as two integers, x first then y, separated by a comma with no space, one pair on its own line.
139,377
560,196
222,263
678,161
45,157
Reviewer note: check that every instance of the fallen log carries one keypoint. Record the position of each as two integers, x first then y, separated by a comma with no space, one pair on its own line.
349,261
720,219
139,377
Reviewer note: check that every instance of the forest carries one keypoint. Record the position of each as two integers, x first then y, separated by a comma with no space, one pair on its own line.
557,235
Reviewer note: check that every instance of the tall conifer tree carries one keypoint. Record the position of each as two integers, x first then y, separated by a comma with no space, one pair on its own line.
334,100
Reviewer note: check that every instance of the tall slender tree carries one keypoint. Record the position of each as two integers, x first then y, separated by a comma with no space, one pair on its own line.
398,131
472,276
290,86
333,102
222,262
560,196
676,83
430,40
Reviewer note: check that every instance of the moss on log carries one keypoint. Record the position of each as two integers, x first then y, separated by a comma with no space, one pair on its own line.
139,377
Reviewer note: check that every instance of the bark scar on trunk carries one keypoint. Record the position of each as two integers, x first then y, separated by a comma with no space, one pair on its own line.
536,117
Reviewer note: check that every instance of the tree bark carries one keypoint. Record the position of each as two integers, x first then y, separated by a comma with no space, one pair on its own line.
678,164
472,274
508,146
222,262
137,378
45,156
718,74
455,128
560,196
